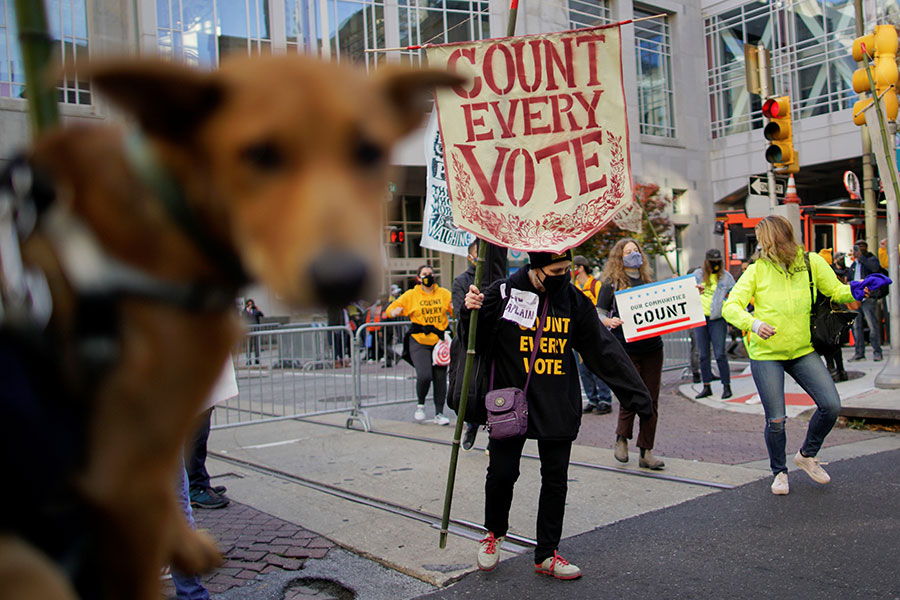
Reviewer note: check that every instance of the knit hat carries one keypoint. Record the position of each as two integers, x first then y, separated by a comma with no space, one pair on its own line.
538,260
826,254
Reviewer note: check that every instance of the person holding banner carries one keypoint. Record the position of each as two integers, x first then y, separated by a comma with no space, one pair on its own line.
508,314
714,284
626,267
779,341
428,306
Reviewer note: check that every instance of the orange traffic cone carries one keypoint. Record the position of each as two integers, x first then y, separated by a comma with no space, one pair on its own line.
791,196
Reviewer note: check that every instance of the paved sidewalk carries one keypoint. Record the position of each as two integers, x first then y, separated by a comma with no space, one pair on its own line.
254,544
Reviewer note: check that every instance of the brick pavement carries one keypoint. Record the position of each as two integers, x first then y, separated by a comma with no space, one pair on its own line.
693,431
255,543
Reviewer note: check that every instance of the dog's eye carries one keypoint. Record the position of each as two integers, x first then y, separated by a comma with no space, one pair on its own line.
368,155
265,156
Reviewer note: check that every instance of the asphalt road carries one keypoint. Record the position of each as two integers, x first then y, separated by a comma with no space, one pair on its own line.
839,541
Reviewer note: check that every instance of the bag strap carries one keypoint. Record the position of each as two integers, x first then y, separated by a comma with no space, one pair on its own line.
812,292
537,341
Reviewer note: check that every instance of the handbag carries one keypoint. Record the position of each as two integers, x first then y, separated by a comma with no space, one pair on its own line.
827,321
507,408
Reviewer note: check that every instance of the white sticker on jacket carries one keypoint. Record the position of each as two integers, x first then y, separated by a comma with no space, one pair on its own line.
521,308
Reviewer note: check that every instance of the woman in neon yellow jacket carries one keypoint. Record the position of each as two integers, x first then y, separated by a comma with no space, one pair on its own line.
779,341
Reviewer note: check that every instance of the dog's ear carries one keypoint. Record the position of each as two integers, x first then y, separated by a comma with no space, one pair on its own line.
409,91
167,100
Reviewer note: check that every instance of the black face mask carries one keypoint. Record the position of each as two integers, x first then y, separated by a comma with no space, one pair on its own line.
554,283
715,267
428,280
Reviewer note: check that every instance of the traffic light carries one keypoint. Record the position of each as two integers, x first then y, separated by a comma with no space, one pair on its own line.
780,151
396,236
882,46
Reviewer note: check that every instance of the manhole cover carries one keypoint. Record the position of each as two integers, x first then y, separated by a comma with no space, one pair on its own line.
313,587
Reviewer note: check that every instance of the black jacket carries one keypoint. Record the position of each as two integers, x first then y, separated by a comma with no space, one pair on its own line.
495,267
869,264
554,394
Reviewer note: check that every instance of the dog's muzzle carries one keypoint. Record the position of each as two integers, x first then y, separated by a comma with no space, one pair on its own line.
339,277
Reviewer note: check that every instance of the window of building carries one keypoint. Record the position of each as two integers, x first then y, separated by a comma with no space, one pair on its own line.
588,13
67,20
441,21
809,47
353,26
201,32
653,45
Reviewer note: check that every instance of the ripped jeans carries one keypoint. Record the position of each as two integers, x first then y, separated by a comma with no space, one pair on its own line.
810,373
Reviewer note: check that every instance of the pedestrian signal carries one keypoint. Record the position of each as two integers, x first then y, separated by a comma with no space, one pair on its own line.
397,237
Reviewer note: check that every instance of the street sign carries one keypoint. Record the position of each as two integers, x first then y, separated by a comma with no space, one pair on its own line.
759,186
851,182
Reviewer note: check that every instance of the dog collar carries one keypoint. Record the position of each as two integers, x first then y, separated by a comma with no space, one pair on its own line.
152,173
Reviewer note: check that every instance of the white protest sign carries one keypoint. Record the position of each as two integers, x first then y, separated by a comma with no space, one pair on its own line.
521,308
661,307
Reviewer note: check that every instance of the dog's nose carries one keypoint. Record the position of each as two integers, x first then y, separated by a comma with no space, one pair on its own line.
338,277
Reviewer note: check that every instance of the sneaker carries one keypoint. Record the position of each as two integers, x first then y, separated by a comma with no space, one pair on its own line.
780,485
439,419
588,409
878,357
469,437
557,566
207,498
648,461
420,413
858,358
489,552
219,489
811,465
621,450
603,408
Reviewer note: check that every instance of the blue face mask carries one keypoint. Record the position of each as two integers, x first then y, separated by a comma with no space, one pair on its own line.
633,260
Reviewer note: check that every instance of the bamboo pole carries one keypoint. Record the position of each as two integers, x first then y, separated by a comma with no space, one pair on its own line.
470,350
36,45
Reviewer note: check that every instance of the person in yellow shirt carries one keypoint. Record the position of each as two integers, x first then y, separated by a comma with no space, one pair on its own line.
598,393
429,307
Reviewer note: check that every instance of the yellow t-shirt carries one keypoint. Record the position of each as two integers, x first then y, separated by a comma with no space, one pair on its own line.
425,308
708,291
589,289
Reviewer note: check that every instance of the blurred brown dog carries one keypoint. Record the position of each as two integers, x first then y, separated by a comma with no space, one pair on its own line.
268,169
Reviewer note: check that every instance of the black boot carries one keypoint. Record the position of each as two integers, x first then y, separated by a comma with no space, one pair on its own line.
726,392
469,436
705,392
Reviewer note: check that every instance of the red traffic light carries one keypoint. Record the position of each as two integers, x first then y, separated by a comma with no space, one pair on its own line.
775,108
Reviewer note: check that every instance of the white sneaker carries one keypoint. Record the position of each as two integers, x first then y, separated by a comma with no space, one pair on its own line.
557,566
810,464
489,552
780,485
441,419
420,413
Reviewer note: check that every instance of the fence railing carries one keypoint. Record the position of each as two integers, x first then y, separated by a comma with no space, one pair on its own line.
307,369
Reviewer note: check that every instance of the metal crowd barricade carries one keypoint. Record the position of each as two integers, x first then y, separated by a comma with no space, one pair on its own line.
296,371
382,376
677,350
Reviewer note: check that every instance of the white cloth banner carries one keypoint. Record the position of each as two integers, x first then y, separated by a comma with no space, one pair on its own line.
438,231
661,307
536,141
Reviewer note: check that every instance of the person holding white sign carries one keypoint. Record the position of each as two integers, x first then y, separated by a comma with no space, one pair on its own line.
779,342
507,328
714,283
627,267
